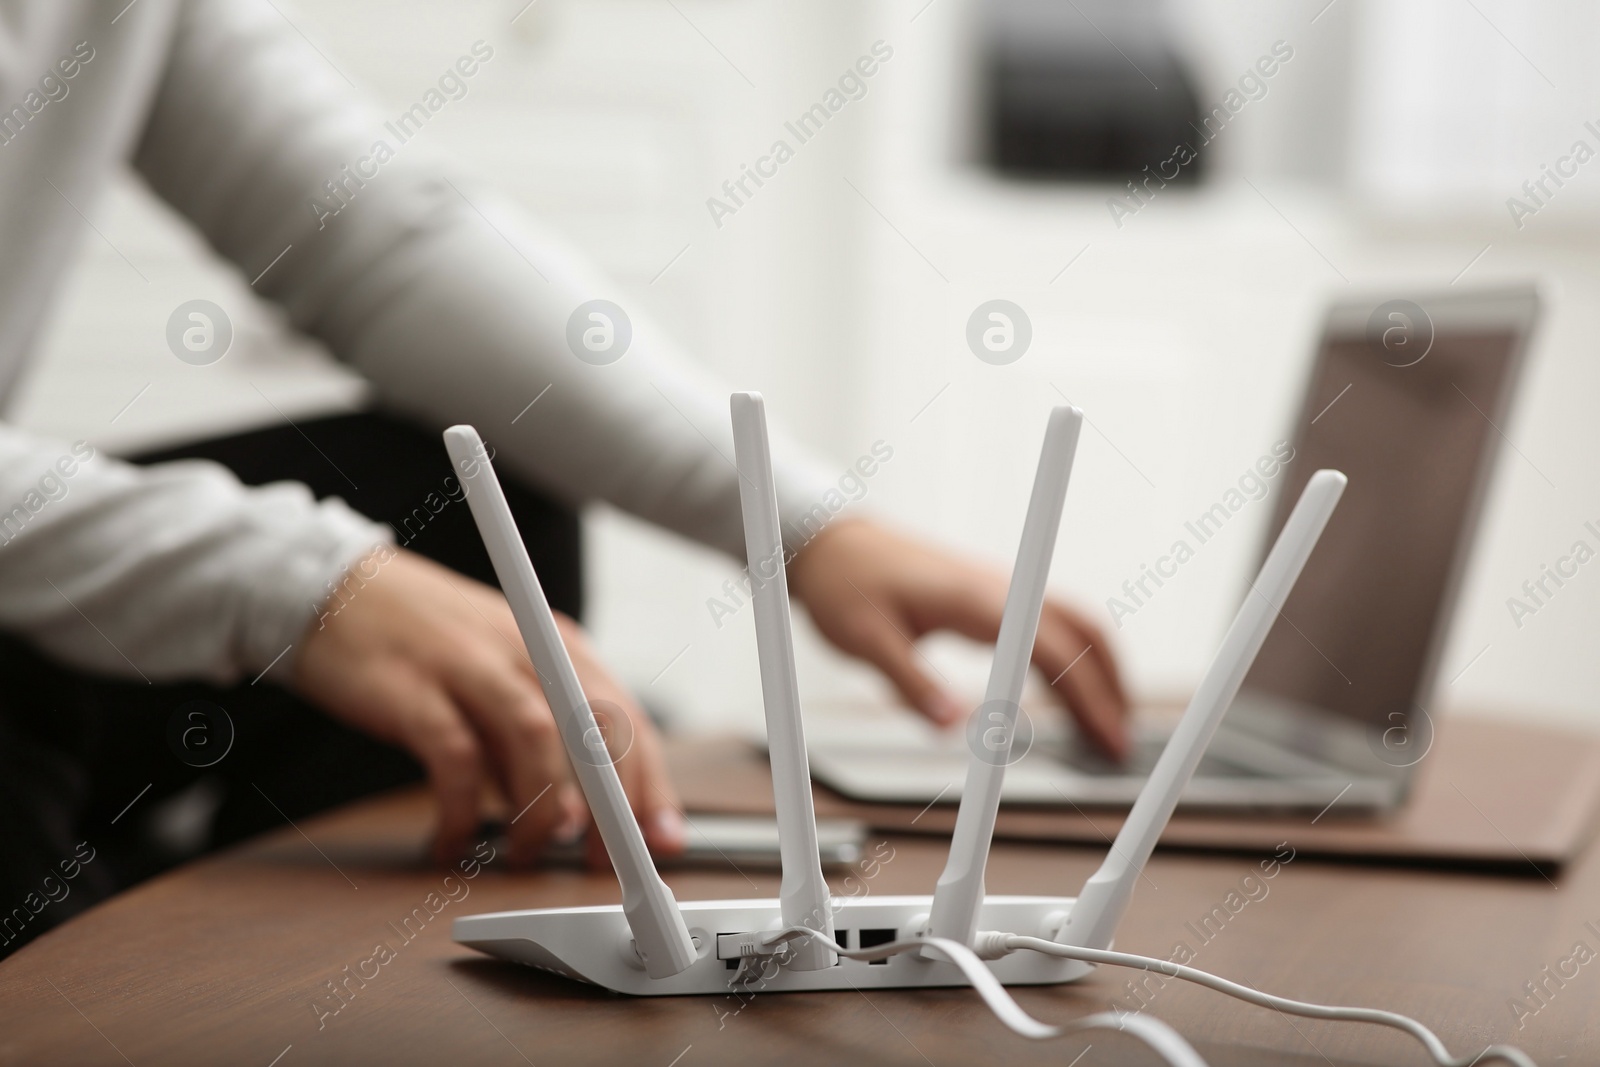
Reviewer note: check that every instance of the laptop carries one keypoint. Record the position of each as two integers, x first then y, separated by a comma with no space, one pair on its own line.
1408,397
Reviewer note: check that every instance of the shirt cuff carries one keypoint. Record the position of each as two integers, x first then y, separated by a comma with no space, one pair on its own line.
309,579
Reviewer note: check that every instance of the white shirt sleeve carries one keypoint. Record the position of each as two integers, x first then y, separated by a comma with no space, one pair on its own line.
166,572
451,302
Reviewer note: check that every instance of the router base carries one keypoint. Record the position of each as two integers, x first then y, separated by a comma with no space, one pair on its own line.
594,945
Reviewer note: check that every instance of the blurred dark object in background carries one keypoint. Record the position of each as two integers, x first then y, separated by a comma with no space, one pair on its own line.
1084,90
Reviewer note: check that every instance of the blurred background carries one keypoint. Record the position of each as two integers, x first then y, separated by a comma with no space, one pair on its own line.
978,163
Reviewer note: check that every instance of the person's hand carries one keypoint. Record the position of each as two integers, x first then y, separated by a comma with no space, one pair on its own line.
873,592
432,661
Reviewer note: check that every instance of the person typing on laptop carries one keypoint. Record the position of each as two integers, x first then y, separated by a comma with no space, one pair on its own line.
275,573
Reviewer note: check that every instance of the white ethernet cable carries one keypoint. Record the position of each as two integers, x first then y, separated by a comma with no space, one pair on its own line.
1154,1033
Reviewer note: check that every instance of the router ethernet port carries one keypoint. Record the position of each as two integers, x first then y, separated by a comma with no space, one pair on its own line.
874,938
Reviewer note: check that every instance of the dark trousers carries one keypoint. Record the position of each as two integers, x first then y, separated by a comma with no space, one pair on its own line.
106,767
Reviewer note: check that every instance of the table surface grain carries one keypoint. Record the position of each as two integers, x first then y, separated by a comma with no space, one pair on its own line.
229,960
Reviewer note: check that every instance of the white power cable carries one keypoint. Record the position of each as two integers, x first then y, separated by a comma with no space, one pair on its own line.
1160,1037
1427,1038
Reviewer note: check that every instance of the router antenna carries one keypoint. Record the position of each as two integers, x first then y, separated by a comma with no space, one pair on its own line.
1093,919
956,898
659,933
803,895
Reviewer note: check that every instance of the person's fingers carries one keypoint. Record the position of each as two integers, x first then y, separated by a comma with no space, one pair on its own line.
660,811
595,855
634,746
884,646
1099,645
651,795
968,601
523,745
573,815
618,733
634,749
924,590
1075,674
574,812
432,729
1074,656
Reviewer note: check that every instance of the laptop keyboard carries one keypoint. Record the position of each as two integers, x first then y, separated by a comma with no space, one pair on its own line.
1142,760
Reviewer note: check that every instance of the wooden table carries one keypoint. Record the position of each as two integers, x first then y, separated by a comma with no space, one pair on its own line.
226,961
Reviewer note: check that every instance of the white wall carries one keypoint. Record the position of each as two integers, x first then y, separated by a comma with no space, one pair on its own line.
1182,333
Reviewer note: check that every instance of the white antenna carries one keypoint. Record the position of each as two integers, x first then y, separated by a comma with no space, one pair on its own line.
1093,920
960,891
803,894
659,933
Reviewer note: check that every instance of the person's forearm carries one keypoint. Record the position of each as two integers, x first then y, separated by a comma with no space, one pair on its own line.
434,289
167,572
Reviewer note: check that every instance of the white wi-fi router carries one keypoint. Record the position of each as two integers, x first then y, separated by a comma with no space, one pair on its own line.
651,945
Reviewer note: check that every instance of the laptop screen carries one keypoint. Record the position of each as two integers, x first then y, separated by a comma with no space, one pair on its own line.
1357,636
